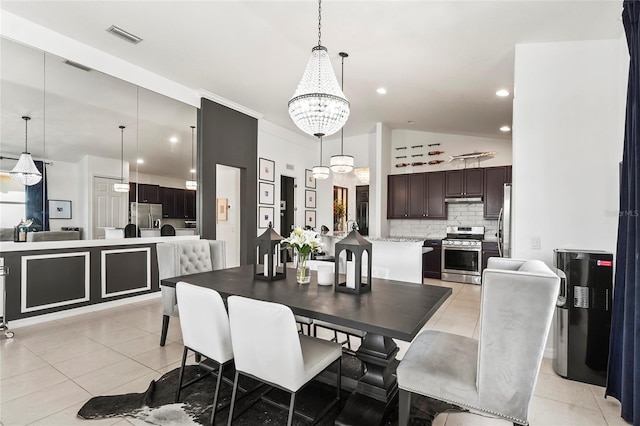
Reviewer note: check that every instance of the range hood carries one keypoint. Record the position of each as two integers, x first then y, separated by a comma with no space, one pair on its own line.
463,200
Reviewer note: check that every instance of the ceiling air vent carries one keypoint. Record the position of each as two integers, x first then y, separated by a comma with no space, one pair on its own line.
124,34
290,166
77,65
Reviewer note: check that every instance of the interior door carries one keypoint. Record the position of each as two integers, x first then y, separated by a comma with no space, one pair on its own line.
109,206
228,224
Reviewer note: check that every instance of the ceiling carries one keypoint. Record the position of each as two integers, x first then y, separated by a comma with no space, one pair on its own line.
440,61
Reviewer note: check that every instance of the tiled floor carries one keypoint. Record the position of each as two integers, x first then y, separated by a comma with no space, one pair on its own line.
47,371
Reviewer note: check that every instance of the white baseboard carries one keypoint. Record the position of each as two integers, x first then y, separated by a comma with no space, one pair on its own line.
15,324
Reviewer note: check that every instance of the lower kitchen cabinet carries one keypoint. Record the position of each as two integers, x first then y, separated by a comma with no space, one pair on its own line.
489,249
431,262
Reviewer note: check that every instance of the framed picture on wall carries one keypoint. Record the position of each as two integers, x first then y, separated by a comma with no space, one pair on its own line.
59,209
266,169
310,199
310,218
265,215
309,180
266,193
221,209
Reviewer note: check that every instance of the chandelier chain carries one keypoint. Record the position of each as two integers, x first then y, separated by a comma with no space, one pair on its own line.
26,120
319,22
192,132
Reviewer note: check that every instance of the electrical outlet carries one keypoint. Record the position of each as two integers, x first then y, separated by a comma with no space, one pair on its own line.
535,243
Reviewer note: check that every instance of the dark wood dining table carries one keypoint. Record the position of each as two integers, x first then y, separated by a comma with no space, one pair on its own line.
391,310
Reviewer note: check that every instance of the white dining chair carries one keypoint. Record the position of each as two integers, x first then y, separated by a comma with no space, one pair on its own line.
268,347
205,331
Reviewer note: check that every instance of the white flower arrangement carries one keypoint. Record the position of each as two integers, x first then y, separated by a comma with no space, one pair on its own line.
304,241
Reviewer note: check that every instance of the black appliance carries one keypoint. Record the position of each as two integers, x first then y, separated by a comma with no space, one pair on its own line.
583,314
462,254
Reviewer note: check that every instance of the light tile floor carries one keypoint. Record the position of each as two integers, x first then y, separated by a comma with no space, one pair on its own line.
47,371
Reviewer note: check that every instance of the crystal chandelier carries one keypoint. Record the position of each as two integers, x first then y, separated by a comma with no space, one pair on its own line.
320,172
362,173
121,186
26,172
192,184
341,163
318,106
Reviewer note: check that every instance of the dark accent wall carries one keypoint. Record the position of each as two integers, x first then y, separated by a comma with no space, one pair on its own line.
230,138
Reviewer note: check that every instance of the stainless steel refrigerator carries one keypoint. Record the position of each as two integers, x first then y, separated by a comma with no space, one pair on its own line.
504,223
146,215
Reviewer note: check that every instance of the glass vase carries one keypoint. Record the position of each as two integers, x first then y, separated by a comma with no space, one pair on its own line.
303,272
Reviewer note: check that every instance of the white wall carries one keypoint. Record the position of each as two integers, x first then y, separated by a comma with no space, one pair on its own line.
292,154
451,145
168,182
567,143
228,186
380,157
64,183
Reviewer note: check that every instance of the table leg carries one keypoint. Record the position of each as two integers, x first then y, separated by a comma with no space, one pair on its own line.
377,389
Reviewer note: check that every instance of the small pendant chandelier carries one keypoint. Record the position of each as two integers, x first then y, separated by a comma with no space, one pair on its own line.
121,186
341,163
26,172
192,184
320,172
318,106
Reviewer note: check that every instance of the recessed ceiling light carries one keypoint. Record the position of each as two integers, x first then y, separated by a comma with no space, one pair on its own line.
192,171
411,122
505,129
140,161
381,90
173,139
502,93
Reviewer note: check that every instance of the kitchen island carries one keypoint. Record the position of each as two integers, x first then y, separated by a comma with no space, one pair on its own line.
52,276
398,259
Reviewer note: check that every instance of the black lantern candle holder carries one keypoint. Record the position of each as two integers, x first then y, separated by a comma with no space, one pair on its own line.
355,246
272,257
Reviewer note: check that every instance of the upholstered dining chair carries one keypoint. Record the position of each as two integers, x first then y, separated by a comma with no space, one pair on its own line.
268,347
182,258
496,374
167,230
205,331
131,231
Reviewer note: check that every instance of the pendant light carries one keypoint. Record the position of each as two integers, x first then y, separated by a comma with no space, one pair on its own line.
26,172
121,187
192,184
320,172
318,106
341,163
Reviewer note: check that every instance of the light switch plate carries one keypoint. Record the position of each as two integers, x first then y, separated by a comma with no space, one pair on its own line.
535,243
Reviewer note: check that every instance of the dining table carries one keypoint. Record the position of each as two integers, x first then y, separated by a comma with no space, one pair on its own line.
391,310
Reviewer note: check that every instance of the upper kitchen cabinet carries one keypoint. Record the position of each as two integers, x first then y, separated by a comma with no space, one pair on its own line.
398,196
417,196
465,183
148,193
189,204
494,180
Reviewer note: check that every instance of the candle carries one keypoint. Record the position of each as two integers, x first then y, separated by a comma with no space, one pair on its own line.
325,274
266,265
351,275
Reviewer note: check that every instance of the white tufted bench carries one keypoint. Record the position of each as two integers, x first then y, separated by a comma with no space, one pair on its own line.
183,258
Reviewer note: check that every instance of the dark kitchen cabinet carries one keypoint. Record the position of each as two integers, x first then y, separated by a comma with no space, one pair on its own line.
168,199
465,183
132,192
432,261
494,180
416,196
189,204
397,199
148,193
489,249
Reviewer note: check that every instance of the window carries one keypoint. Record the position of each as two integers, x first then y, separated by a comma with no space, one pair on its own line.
12,201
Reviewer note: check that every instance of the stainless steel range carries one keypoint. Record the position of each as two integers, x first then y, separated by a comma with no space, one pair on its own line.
462,254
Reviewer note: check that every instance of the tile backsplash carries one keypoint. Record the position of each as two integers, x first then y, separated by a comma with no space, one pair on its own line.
463,214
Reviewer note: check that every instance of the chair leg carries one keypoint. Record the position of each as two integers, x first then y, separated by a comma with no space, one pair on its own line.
233,399
184,361
404,405
291,404
165,328
339,379
215,395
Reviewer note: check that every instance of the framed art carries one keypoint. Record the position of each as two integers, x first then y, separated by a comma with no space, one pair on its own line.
310,218
265,215
266,193
309,180
221,209
59,209
310,199
266,169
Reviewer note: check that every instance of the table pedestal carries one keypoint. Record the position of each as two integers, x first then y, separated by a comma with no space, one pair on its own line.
377,389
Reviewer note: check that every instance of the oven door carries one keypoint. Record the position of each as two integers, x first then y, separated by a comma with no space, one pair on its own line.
461,260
